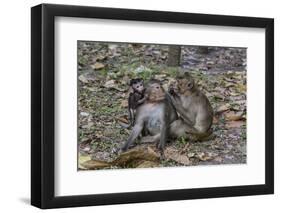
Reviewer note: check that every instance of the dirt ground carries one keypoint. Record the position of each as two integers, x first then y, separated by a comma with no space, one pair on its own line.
104,71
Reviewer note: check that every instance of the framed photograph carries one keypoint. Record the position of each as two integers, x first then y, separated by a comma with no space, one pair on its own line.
140,106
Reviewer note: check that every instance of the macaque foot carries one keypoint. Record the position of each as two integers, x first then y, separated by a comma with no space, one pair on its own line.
162,155
123,149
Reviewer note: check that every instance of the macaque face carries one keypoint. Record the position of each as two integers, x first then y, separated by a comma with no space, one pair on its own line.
173,87
156,92
137,85
185,85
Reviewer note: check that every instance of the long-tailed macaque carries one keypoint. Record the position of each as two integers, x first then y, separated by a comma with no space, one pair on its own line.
154,116
194,108
136,98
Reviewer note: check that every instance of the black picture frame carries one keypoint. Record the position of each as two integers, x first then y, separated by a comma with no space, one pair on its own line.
43,105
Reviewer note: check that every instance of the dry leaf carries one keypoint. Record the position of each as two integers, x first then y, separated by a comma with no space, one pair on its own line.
235,124
111,84
203,156
228,84
83,79
218,159
234,116
122,119
97,66
191,155
124,103
87,126
138,157
82,159
241,87
219,96
185,148
101,58
133,156
147,164
160,76
95,164
173,154
223,108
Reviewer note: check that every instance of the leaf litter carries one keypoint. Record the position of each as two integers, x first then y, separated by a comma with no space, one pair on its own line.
104,72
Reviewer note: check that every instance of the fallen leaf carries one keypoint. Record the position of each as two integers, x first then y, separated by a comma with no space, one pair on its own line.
98,135
173,154
122,119
95,164
223,108
137,157
203,156
241,87
82,159
97,66
87,126
218,159
83,79
235,124
133,156
234,116
101,58
160,76
111,84
92,89
228,84
229,80
124,103
219,96
191,155
185,148
147,164
84,114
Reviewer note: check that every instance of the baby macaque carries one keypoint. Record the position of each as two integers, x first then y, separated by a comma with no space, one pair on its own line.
154,116
194,108
136,98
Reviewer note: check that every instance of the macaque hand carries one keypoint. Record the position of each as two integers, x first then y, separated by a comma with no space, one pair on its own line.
172,91
173,99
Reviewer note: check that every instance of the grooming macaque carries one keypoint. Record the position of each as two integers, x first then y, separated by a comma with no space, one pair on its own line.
136,98
194,108
154,116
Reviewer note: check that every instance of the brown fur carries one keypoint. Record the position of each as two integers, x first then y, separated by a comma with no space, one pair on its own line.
194,108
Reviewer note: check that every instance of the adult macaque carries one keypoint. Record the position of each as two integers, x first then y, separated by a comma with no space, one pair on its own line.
154,116
194,108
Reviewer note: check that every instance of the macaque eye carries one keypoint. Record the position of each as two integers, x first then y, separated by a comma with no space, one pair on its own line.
189,85
157,87
138,86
